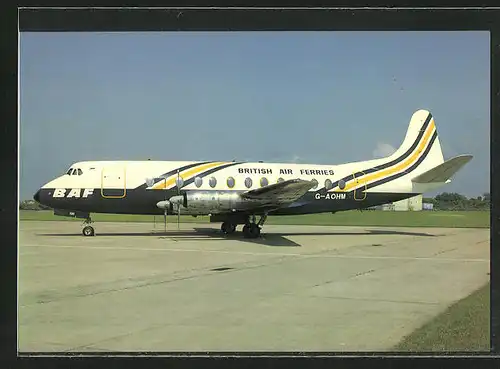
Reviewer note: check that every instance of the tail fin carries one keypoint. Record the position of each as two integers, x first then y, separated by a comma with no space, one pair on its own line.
421,147
422,141
418,154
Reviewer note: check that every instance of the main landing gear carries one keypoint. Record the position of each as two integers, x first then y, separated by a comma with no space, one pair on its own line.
251,229
228,227
88,230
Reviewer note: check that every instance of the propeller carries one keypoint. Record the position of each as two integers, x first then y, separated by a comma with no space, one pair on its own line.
166,208
149,183
179,182
165,219
179,200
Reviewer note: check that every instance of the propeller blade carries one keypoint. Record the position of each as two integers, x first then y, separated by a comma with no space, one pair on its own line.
178,216
178,183
165,212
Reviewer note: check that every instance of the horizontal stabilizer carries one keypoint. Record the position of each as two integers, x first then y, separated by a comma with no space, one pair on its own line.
443,172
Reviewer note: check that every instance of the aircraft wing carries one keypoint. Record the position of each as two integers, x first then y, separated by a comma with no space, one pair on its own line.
280,193
444,171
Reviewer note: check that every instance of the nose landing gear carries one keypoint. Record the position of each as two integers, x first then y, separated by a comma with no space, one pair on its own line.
88,230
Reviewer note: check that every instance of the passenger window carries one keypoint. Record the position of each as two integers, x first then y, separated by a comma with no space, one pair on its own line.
230,182
328,184
212,182
248,182
281,180
263,182
341,184
198,181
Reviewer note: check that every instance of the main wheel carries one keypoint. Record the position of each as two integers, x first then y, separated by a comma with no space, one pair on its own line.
88,231
254,231
251,230
228,227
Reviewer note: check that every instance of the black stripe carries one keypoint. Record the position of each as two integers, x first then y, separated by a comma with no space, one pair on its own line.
393,162
213,170
172,172
144,202
410,169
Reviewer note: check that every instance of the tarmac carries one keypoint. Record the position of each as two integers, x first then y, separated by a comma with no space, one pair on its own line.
133,287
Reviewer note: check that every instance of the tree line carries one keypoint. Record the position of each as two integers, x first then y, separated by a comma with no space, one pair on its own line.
32,205
443,201
455,201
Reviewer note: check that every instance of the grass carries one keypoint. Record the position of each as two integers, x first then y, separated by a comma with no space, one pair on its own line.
452,219
464,326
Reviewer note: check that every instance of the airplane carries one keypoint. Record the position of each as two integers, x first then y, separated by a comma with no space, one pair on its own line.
235,193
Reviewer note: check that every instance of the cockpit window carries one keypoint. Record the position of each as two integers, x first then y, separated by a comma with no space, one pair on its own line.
74,172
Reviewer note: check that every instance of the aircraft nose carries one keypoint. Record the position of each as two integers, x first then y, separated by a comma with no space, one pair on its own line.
36,196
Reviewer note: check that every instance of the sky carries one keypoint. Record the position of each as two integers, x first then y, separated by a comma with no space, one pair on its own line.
302,97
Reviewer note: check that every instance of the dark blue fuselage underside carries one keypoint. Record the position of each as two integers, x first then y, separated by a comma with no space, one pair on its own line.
142,201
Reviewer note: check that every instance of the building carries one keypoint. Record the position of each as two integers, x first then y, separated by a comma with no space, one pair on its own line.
411,204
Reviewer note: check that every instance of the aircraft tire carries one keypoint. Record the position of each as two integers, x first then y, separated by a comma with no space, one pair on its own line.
228,228
251,231
88,231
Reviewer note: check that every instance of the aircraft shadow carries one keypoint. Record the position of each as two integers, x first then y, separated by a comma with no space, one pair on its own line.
198,234
266,239
279,238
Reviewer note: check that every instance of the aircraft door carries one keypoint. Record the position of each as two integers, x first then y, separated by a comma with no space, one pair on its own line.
114,182
360,191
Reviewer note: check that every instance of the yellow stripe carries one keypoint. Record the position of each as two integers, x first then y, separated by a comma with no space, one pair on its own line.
186,175
391,170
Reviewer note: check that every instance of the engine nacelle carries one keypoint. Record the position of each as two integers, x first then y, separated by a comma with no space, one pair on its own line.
213,202
206,202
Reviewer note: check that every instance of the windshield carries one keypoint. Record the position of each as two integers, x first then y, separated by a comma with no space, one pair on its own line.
74,171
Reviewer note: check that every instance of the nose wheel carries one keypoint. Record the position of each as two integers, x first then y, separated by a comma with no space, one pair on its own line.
88,230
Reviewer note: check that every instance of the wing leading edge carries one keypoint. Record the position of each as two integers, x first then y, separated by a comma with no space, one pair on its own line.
280,193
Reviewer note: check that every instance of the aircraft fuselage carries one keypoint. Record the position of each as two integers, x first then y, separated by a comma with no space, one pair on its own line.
135,187
234,192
